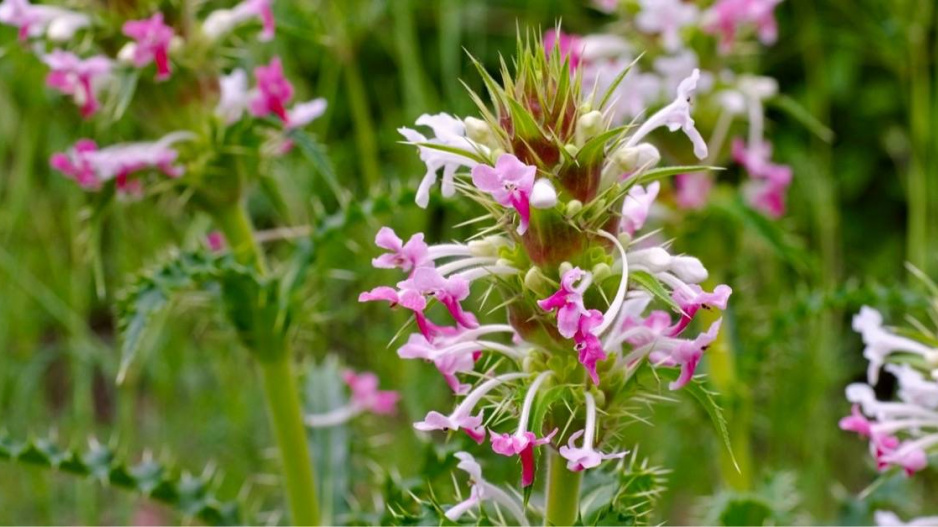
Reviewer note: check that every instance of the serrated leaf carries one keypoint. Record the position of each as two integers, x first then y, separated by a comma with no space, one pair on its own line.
803,116
101,464
315,152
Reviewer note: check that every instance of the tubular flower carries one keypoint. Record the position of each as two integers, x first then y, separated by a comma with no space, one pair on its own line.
482,491
572,276
91,167
270,96
53,22
365,397
727,17
80,78
223,21
151,38
901,433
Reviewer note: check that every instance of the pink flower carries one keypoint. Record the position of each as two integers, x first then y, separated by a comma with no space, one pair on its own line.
90,166
216,241
406,257
152,39
686,354
448,359
80,78
461,417
274,91
510,182
568,301
585,456
570,46
427,281
51,21
856,422
366,395
726,17
589,348
667,18
693,297
262,10
222,21
523,446
692,190
636,205
766,192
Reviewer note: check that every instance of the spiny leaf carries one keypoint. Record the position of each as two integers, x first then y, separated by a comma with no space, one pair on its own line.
190,495
316,154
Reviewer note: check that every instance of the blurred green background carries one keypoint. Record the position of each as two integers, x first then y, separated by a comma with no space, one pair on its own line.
866,69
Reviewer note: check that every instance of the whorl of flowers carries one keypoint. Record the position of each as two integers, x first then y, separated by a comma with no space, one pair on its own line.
587,299
92,81
676,37
901,432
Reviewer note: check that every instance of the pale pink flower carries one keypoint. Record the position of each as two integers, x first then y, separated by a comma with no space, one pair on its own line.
585,456
222,21
692,190
666,18
54,22
366,395
406,257
636,205
727,17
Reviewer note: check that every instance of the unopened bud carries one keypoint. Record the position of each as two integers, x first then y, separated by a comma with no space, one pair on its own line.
543,195
571,149
126,53
589,126
487,246
480,132
601,271
689,269
574,206
534,280
564,267
632,158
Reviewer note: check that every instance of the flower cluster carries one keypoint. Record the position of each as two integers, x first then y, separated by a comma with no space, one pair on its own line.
586,296
675,37
93,81
901,433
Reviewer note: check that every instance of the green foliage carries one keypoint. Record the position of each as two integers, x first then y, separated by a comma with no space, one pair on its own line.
774,502
623,495
193,496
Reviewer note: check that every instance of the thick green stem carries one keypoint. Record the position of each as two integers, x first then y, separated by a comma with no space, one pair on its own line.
563,492
279,383
286,418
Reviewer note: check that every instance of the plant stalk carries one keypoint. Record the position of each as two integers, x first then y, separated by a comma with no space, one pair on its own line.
278,382
563,492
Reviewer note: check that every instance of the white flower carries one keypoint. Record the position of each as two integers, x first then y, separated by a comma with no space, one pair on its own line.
676,116
880,343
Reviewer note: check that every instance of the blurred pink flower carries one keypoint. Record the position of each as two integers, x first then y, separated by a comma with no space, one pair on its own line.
365,393
692,190
727,17
274,91
569,45
151,38
80,78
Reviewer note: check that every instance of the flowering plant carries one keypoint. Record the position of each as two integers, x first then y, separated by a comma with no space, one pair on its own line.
592,305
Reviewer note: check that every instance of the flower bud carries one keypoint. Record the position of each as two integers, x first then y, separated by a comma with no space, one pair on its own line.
534,280
126,53
564,267
543,195
573,150
601,271
589,126
632,158
480,132
574,206
487,246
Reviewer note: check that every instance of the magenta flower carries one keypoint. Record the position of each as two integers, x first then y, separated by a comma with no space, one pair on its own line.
568,301
727,17
510,182
152,39
770,181
216,241
274,91
636,205
585,456
449,291
692,297
692,190
522,442
856,422
687,355
587,344
80,78
56,23
570,46
90,166
406,257
367,396
462,417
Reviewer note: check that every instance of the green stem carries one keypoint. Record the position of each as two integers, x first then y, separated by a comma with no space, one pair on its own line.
286,417
279,383
563,492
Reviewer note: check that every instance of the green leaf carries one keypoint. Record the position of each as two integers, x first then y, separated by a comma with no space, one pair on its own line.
707,401
651,284
625,495
316,154
192,496
324,391
803,116
524,124
666,172
615,84
593,151
770,231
